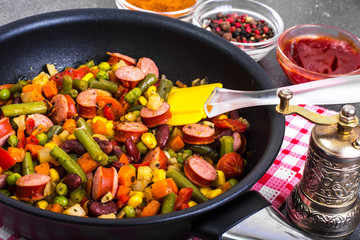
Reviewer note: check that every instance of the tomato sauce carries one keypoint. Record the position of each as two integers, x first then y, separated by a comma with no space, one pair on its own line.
323,55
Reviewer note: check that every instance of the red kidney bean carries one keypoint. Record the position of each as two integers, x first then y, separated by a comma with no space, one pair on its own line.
116,151
73,145
97,208
17,100
72,181
105,145
234,114
117,165
162,135
61,171
216,143
132,150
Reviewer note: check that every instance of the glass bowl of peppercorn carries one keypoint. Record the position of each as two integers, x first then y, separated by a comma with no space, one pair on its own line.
181,10
252,26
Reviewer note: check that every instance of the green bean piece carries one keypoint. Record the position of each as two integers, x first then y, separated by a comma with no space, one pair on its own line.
183,182
134,108
17,87
233,182
142,147
129,211
70,165
81,123
67,85
90,64
62,200
61,189
5,192
168,203
102,75
91,146
54,129
11,179
206,151
132,96
13,140
226,145
27,165
104,66
4,94
78,195
14,110
43,138
105,85
112,158
149,80
73,93
164,88
80,85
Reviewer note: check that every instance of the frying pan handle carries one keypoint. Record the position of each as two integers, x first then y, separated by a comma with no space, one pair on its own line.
248,217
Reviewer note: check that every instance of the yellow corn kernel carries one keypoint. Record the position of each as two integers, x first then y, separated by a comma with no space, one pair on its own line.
192,203
220,179
159,174
149,140
137,113
71,137
50,145
41,204
205,190
154,102
14,197
136,193
88,76
213,193
110,128
135,201
142,100
131,117
223,116
151,90
95,119
55,177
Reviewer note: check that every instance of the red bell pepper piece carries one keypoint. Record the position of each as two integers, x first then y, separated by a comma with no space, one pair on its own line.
233,124
6,160
123,199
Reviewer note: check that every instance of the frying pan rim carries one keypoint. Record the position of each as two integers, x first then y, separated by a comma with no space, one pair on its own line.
278,122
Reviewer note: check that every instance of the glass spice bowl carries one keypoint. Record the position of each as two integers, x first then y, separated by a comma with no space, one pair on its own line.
183,15
258,11
338,39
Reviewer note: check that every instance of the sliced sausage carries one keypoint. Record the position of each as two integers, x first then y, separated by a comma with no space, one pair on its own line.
87,102
6,130
156,159
132,130
199,171
115,57
148,66
39,119
31,187
61,108
198,133
130,76
154,118
232,165
105,180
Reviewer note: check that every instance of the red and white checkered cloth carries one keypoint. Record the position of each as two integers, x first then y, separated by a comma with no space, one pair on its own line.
282,176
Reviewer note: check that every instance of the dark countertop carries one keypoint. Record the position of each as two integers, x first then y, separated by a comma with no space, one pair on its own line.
337,13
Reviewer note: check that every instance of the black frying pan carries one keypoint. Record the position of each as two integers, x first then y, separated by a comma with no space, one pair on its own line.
181,51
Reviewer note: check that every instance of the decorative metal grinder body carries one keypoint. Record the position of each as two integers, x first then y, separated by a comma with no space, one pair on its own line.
326,200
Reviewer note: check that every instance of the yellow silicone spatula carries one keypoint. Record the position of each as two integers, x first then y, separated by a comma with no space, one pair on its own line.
190,105
187,104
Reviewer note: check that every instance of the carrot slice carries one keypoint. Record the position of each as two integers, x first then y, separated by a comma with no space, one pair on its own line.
87,164
173,185
126,175
176,143
55,207
122,190
70,125
151,209
99,127
31,88
160,188
50,89
34,149
43,168
17,153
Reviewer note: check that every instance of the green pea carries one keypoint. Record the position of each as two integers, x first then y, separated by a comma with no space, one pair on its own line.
104,66
61,189
102,75
172,153
62,200
4,94
6,192
8,172
142,147
78,195
129,211
180,158
13,140
11,180
43,138
233,182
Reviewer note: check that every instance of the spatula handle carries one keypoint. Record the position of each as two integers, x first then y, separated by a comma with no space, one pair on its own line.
328,91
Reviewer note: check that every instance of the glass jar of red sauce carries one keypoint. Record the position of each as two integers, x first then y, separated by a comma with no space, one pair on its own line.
312,52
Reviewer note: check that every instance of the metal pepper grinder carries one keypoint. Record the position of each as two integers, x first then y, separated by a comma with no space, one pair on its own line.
326,200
